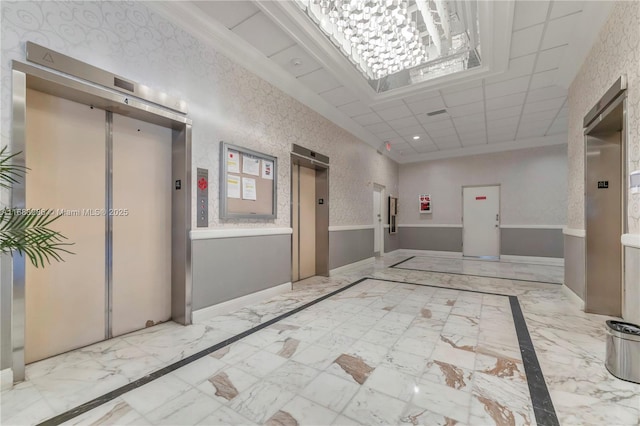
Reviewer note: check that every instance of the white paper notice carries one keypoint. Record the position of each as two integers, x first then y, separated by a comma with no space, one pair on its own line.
248,188
250,166
233,186
233,162
267,169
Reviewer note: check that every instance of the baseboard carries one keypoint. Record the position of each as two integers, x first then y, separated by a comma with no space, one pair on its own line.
574,298
6,379
238,303
412,252
555,261
358,264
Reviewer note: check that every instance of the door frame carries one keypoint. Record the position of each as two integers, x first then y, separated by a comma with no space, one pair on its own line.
69,87
499,216
381,189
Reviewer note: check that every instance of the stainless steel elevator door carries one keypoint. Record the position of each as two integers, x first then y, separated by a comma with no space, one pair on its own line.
307,222
141,224
603,193
65,153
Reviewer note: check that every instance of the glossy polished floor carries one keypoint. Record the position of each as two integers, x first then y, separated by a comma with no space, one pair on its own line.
378,345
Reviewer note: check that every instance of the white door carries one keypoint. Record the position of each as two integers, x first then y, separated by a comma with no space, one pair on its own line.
481,221
65,154
141,224
377,222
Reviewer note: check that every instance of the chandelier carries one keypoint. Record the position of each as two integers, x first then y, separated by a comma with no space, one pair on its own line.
384,37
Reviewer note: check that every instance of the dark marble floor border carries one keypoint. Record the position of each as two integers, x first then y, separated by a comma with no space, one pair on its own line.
468,275
540,397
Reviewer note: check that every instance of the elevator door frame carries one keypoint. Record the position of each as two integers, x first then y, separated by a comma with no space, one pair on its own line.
606,119
26,76
322,213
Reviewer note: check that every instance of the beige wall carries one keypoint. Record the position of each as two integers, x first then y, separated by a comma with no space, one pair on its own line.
615,52
533,186
226,102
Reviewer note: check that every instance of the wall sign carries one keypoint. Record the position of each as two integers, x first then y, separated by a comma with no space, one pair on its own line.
483,197
603,184
425,203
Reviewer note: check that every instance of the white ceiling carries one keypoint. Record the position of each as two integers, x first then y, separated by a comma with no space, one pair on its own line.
519,106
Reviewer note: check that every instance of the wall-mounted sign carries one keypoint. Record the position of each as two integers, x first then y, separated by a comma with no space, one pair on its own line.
425,203
483,197
603,184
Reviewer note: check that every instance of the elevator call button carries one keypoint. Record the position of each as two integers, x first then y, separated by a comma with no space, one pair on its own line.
603,184
203,197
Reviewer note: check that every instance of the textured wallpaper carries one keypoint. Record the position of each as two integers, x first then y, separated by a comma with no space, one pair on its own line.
615,52
226,102
533,186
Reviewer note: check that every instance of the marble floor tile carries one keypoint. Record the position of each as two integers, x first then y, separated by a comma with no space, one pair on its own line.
458,349
371,407
330,391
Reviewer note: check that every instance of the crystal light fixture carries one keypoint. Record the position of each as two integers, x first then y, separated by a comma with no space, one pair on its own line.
383,38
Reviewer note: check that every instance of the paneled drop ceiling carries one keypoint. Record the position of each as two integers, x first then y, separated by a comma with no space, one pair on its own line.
519,100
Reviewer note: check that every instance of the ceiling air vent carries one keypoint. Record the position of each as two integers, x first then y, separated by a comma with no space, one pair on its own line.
440,111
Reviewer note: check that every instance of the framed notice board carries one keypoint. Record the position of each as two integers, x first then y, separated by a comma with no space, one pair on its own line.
248,183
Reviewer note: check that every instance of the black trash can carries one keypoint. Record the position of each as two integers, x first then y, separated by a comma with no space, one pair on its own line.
623,350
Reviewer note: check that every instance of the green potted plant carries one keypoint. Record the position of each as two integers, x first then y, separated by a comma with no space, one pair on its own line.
27,232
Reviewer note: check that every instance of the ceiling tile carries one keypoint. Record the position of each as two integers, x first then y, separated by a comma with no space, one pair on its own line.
463,97
427,105
422,96
504,137
401,123
560,31
558,126
468,109
356,108
479,140
467,85
543,79
526,41
367,119
339,96
229,13
319,81
516,99
564,112
426,148
503,122
387,105
388,135
395,112
447,142
411,131
378,128
508,87
551,58
562,8
436,125
518,67
469,119
510,132
471,128
546,116
436,133
528,13
285,57
263,34
525,133
550,104
498,114
545,93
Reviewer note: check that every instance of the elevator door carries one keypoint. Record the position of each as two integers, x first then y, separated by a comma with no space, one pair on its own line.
65,301
307,222
141,224
603,213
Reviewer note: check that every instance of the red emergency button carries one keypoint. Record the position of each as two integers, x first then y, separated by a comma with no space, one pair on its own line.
202,184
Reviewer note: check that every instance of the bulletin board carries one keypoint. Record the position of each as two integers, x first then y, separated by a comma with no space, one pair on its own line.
248,183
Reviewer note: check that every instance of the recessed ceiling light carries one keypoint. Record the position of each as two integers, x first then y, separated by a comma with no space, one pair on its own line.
296,62
415,138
